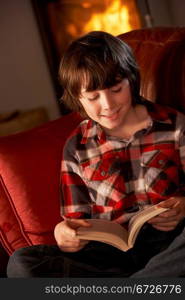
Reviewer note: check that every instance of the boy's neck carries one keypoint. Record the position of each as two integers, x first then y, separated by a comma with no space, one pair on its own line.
137,119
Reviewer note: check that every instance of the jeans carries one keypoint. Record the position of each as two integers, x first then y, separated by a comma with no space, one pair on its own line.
168,263
154,254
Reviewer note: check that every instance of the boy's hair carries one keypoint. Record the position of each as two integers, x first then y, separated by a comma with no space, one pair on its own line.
96,61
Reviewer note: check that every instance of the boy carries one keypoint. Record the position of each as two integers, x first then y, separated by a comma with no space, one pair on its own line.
127,154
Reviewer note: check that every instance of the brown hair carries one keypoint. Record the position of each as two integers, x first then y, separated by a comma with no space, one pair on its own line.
96,61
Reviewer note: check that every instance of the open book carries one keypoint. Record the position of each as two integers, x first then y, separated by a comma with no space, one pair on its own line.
116,235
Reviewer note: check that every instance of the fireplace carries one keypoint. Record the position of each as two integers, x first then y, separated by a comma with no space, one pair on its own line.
62,21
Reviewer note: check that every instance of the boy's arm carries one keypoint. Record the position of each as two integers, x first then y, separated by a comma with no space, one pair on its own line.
75,202
169,220
75,199
75,206
74,192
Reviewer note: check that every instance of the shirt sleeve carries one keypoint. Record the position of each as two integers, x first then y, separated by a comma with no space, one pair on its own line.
75,199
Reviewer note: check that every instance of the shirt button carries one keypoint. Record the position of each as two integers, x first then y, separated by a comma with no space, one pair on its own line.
102,173
161,161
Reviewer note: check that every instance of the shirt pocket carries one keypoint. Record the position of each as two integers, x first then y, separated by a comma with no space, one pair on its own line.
161,171
101,170
106,187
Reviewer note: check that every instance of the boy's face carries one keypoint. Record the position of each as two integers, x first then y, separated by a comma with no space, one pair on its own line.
109,107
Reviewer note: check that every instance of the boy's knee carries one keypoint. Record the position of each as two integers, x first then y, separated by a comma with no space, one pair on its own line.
17,266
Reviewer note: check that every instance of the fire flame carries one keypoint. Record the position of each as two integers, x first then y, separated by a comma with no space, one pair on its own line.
115,19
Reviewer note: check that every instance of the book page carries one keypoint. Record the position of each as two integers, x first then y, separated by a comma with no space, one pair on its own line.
139,219
105,231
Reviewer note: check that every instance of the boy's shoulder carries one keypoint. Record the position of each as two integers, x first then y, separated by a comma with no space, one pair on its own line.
81,129
79,133
163,112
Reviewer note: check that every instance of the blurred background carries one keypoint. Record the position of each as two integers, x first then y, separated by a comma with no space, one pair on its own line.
34,34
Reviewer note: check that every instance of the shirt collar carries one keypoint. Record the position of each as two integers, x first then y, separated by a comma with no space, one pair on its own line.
91,129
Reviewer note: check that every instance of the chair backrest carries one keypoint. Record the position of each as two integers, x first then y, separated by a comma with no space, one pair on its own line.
160,53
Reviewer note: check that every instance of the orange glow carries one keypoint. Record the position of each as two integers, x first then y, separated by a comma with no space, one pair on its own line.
70,19
115,19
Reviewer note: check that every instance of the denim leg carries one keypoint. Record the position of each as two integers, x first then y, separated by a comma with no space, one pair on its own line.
95,260
168,263
36,261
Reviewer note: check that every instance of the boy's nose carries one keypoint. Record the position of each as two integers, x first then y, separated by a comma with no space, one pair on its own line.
106,101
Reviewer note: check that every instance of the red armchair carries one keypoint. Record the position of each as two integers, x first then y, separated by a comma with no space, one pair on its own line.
30,161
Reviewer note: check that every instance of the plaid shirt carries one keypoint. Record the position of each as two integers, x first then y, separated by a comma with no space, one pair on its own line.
112,178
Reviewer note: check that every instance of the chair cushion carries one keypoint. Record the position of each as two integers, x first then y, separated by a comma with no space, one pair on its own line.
29,183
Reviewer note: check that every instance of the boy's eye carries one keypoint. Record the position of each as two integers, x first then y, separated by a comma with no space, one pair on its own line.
93,98
117,90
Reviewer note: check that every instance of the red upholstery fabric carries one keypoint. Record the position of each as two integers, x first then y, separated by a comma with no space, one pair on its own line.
160,53
29,183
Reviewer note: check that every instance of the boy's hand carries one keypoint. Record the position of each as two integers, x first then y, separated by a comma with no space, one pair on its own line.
65,235
169,219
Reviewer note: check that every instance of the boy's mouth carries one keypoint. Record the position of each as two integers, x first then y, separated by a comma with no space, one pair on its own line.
111,116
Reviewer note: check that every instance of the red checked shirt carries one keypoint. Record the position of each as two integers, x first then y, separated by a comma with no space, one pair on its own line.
112,178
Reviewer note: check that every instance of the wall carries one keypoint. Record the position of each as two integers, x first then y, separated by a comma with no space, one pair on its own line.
25,81
177,8
160,12
164,12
